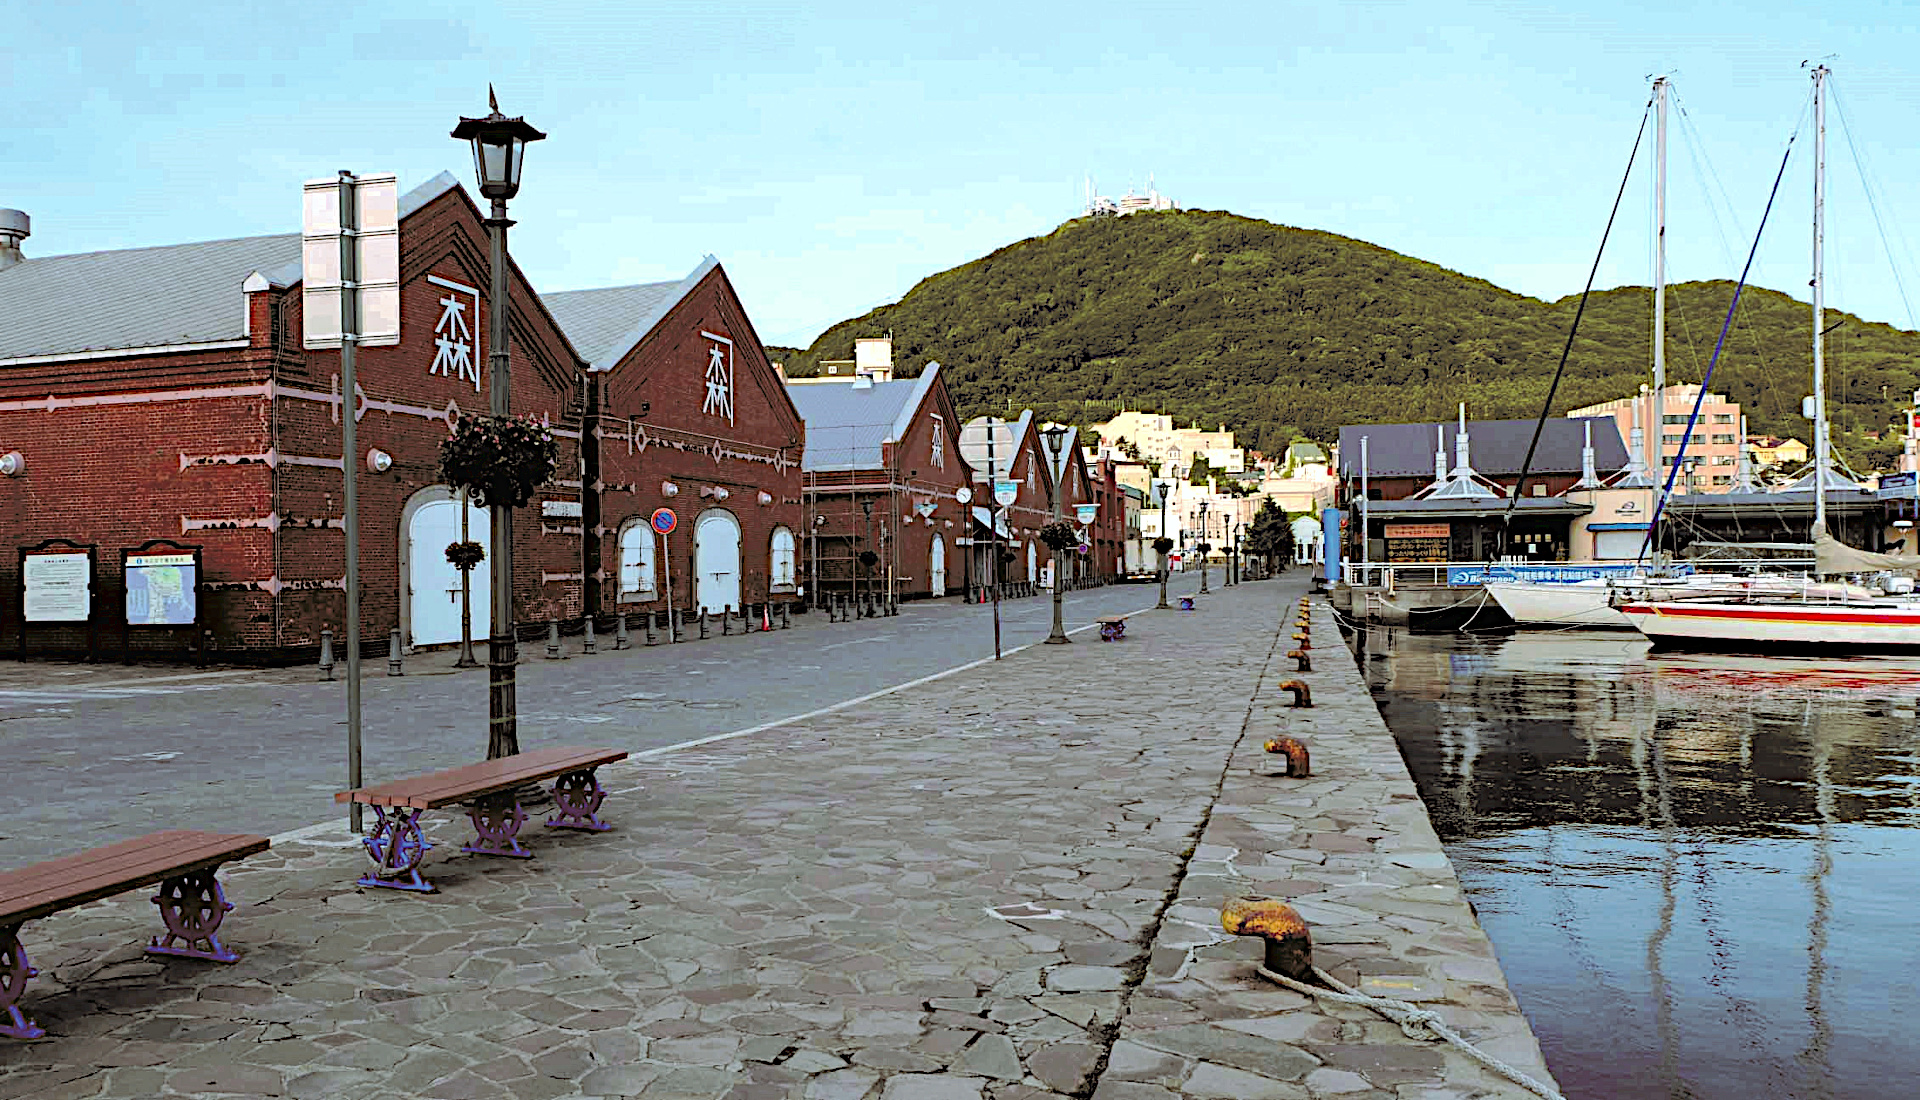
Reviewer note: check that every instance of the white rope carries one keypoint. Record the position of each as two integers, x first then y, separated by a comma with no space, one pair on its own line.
1416,1022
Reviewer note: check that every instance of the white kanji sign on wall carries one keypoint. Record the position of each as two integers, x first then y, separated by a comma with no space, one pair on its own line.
456,352
719,400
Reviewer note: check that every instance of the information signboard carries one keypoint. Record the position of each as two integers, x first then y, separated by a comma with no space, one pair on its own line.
57,586
163,589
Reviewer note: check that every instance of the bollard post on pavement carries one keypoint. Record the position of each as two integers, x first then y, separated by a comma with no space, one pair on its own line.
646,622
587,643
726,620
393,653
326,654
621,639
673,625
703,624
553,639
784,623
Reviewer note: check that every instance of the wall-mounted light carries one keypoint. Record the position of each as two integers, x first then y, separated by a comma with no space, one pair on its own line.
13,464
766,499
379,461
720,493
669,489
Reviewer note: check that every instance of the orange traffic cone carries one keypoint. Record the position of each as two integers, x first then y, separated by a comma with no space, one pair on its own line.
766,617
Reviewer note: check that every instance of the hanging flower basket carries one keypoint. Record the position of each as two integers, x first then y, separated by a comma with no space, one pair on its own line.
465,555
1059,535
1162,545
500,460
1205,548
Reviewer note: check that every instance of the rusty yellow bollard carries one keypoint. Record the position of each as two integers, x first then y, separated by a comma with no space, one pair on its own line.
1301,637
1289,945
1302,660
1302,694
1298,766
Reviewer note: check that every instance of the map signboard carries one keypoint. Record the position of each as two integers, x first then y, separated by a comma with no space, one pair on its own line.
163,588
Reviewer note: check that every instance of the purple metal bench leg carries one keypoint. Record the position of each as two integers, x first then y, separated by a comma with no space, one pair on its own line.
576,800
14,974
192,907
496,827
396,847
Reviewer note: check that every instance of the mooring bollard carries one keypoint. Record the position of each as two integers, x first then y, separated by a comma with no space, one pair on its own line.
553,639
1303,660
1289,948
393,653
1296,754
326,654
1302,695
587,644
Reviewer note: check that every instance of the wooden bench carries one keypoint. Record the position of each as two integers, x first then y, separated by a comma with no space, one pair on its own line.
1112,627
191,902
397,845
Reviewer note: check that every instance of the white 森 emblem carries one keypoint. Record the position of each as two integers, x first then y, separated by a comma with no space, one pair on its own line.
453,335
719,400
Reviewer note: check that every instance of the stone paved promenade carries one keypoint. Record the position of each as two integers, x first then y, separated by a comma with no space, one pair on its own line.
1001,884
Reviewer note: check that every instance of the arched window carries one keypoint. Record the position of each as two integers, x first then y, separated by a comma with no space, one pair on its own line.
636,561
782,562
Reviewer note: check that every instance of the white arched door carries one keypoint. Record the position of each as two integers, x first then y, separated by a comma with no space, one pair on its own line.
433,583
716,561
937,567
1033,562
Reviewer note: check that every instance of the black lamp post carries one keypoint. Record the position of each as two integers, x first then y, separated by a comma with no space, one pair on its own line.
1055,434
1205,547
499,148
1164,487
866,509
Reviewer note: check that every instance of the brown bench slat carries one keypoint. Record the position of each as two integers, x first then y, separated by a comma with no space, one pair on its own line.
32,892
1111,619
436,789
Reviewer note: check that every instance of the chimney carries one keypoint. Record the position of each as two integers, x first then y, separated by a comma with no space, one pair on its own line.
15,227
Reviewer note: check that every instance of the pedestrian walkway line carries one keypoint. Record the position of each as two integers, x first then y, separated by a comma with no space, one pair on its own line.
85,685
322,829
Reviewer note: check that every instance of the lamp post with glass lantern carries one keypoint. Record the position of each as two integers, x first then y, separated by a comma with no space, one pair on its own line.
499,149
1054,435
1204,546
1165,487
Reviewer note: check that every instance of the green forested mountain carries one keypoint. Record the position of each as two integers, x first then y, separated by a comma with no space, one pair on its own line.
1280,332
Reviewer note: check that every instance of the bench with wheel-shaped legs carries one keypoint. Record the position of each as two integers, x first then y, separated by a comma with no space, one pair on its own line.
1112,627
192,902
397,844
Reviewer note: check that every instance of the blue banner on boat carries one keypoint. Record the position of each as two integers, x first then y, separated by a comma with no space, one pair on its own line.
1462,576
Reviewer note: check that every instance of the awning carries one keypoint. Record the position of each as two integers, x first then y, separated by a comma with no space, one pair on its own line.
985,519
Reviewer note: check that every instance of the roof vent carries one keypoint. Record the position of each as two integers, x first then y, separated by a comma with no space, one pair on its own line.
863,381
15,227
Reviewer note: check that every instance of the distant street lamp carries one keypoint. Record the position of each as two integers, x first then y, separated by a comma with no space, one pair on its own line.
1055,435
499,149
1204,546
866,509
1163,544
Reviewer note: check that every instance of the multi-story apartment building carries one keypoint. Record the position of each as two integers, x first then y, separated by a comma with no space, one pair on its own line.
1153,438
1713,454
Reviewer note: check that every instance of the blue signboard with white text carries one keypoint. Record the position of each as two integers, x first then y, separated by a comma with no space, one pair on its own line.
1463,576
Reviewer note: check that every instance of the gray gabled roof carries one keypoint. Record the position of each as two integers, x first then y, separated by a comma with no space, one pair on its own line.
1498,447
606,323
162,296
848,422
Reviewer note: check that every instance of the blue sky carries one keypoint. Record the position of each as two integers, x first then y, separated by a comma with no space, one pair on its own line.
831,155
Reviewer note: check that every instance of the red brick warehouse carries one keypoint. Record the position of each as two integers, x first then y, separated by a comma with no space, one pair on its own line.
686,413
165,393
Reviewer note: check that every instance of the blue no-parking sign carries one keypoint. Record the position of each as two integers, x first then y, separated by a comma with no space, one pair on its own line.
664,521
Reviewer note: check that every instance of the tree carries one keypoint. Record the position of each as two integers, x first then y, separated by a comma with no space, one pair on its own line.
1200,470
1269,531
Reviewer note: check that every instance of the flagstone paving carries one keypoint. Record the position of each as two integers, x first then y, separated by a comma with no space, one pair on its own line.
1001,885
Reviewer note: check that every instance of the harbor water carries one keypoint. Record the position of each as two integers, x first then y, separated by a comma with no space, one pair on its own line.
1701,873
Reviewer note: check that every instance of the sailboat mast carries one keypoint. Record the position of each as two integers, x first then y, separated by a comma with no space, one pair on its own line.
1822,452
1655,430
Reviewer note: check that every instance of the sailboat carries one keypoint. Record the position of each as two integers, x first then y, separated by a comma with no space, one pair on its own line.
1589,603
1821,616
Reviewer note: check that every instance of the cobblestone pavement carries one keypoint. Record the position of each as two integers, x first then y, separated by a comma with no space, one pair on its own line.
951,892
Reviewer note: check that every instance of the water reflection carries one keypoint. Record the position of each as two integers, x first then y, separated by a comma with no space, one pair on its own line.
1693,867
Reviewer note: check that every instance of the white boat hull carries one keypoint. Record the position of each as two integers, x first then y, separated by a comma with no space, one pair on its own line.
1577,604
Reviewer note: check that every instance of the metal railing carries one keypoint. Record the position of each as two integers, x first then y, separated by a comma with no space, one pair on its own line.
1455,574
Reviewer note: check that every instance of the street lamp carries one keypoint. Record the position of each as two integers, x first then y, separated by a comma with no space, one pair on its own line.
499,149
1204,546
1055,435
866,509
1164,487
